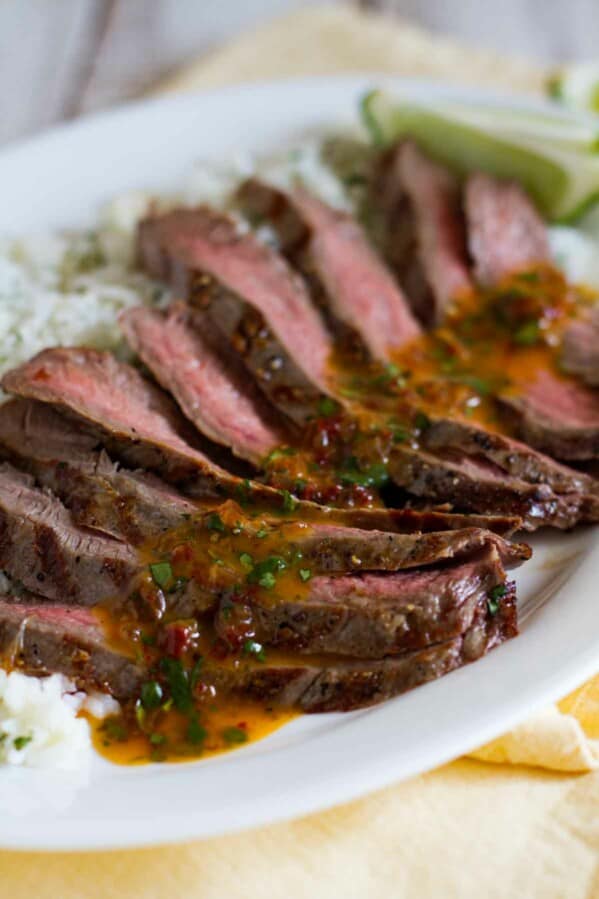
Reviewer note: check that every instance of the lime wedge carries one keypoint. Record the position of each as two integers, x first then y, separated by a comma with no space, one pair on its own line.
577,86
554,160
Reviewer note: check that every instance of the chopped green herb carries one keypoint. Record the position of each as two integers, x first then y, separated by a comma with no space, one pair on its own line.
494,596
162,573
115,729
267,580
195,732
289,501
194,674
527,334
151,694
157,739
148,640
262,533
252,648
178,683
21,742
477,384
233,735
305,574
529,277
327,406
247,561
374,476
264,572
215,523
279,452
422,421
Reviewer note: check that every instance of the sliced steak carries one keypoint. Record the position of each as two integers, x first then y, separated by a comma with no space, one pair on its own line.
580,349
133,418
61,455
408,520
43,549
43,638
419,224
336,548
369,616
506,234
249,293
514,458
559,417
476,484
213,390
347,278
340,685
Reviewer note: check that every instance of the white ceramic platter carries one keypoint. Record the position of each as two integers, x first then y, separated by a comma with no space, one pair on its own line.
61,180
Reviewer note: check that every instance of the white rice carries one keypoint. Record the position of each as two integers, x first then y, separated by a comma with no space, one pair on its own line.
68,289
39,723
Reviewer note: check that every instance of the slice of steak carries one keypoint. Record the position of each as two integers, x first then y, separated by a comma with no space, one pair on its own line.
580,349
511,456
347,278
41,638
476,484
418,222
249,293
340,549
339,685
43,549
506,234
131,417
408,520
559,417
212,389
61,455
368,616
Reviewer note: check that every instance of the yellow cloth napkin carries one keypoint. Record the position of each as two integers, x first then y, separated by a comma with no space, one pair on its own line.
469,829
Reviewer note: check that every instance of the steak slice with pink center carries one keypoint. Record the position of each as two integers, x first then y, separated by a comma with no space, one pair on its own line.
251,295
211,387
418,222
559,417
506,234
348,280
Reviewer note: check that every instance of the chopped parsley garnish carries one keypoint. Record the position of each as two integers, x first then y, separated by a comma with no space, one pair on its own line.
234,735
374,476
115,729
215,523
21,742
262,533
178,683
157,739
494,597
327,406
252,648
268,580
527,334
162,574
422,421
279,452
247,561
195,732
264,572
305,574
289,501
151,694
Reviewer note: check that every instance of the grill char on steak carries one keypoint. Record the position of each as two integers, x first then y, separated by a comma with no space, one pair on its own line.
347,279
369,616
417,220
43,638
135,505
42,641
251,296
211,388
42,548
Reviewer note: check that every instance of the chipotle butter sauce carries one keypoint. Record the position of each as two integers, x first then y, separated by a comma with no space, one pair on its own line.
493,342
